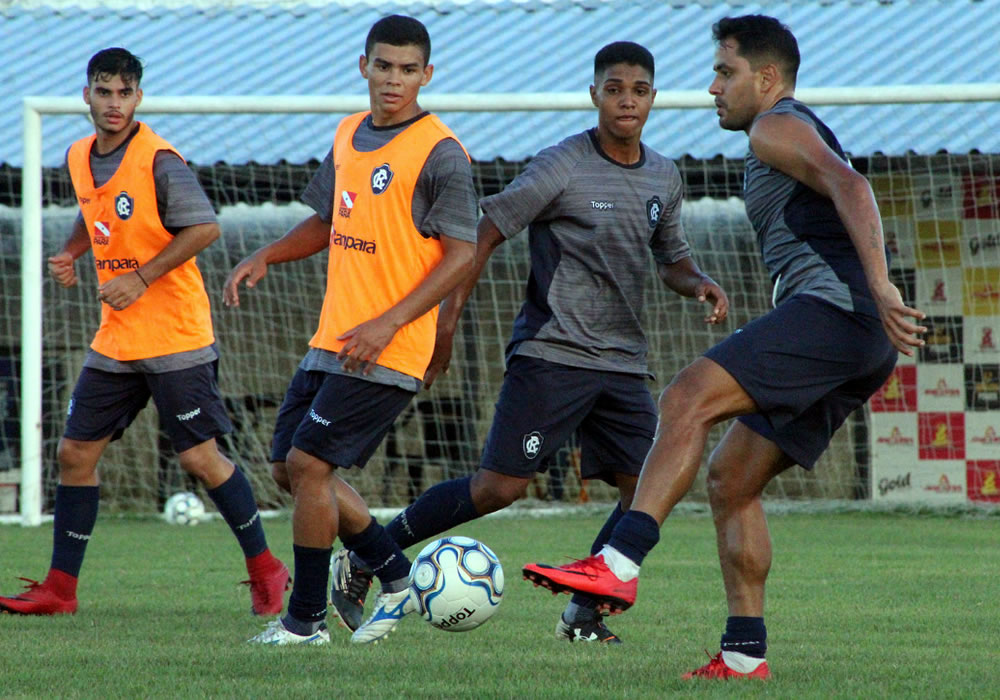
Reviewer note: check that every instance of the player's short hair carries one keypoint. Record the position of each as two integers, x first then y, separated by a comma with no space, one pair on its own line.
112,62
627,52
399,30
761,39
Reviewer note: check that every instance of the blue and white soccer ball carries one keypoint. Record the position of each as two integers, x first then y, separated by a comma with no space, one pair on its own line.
456,583
184,509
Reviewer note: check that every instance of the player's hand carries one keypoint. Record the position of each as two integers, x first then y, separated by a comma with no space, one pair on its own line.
365,343
119,292
708,291
252,269
893,312
62,269
440,360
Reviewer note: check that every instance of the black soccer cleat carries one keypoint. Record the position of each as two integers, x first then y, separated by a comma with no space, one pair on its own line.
593,630
351,580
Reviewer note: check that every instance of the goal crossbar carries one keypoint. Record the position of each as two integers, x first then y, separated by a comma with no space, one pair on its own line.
34,107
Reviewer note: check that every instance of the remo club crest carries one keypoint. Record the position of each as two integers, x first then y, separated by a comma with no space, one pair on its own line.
381,177
124,206
654,207
532,444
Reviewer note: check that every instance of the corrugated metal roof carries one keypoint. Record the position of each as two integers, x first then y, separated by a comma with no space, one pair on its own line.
499,46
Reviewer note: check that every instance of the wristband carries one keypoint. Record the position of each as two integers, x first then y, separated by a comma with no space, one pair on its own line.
140,277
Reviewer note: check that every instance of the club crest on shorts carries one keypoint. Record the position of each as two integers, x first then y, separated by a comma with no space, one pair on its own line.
381,177
653,208
532,444
124,206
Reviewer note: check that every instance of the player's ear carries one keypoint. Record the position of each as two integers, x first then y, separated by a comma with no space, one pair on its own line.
769,76
593,96
86,94
428,74
363,66
138,95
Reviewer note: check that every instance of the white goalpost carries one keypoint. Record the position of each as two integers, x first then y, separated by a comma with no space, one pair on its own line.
31,494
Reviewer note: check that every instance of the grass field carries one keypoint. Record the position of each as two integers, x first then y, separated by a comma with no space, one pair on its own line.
860,605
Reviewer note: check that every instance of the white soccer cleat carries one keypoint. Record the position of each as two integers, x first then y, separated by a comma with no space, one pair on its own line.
276,634
389,610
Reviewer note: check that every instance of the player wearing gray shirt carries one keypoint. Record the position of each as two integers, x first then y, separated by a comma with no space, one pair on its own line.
790,377
595,206
802,239
592,223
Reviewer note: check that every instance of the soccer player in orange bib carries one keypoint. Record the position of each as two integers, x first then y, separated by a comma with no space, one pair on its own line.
395,207
790,377
145,218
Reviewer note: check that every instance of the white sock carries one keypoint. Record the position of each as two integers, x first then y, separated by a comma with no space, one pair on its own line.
620,565
741,663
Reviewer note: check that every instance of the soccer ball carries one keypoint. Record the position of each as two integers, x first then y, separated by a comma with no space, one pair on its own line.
456,583
184,509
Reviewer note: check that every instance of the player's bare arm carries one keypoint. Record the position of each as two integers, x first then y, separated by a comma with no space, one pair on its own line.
305,239
687,279
488,239
60,265
121,291
795,148
366,342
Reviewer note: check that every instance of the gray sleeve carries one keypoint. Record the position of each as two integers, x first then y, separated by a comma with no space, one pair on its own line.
531,193
319,192
668,242
444,201
180,200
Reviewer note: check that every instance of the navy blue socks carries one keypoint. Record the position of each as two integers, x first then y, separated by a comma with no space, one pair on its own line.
635,535
746,635
75,515
438,509
307,604
235,501
379,551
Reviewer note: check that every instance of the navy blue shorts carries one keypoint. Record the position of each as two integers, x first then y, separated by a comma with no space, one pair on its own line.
188,401
336,418
542,403
807,365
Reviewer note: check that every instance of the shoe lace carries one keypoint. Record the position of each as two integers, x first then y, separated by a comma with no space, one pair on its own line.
358,583
590,566
715,667
32,584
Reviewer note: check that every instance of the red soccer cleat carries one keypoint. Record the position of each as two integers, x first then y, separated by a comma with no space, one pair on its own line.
38,599
589,576
267,590
716,668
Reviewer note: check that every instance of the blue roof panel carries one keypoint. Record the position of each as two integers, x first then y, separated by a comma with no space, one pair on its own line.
500,47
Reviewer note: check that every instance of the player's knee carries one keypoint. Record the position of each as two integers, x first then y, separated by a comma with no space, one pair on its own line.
205,463
492,491
301,467
718,488
682,401
76,459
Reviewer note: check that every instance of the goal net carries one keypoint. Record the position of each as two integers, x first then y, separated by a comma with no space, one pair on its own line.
931,433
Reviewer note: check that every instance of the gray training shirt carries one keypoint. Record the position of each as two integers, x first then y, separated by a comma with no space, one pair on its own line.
444,203
804,243
590,221
180,202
